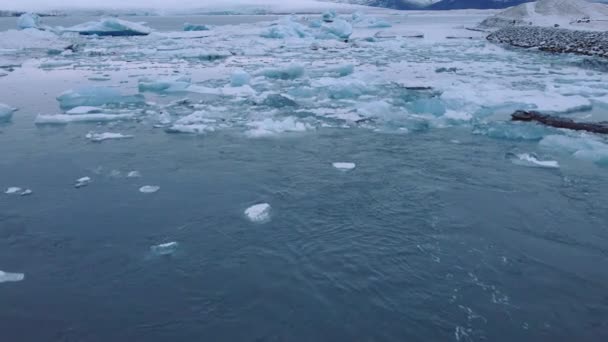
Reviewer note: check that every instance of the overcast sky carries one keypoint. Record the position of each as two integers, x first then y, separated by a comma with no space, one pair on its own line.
159,4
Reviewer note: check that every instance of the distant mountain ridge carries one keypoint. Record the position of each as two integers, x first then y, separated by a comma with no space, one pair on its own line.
436,4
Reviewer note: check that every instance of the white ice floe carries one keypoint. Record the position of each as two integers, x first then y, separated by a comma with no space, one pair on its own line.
165,85
110,27
239,78
82,182
149,189
258,213
13,190
11,277
99,137
6,112
133,174
287,72
526,159
26,192
344,166
55,64
95,96
270,127
84,110
168,248
62,119
31,39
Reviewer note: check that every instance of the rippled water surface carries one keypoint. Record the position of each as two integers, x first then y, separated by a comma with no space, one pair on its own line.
439,234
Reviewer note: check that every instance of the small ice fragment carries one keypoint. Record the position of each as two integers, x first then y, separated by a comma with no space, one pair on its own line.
26,192
195,27
84,110
525,159
64,119
96,96
82,182
344,166
99,137
149,189
110,27
11,277
6,112
12,190
239,78
134,174
258,213
165,248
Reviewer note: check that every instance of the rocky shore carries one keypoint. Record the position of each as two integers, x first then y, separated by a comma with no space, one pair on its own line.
591,43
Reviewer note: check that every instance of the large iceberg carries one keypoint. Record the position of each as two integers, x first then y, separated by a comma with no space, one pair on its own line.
28,20
6,112
95,96
110,27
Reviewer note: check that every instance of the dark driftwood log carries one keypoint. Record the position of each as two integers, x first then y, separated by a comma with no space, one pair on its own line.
555,121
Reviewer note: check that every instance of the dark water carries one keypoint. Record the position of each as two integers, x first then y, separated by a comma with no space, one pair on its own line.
435,236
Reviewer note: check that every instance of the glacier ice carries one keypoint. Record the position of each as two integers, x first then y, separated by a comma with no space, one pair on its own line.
526,159
287,72
278,101
329,16
339,28
287,28
28,20
133,174
239,78
6,112
165,249
270,127
344,166
110,27
99,137
11,277
195,27
95,96
84,110
149,189
167,85
12,190
258,213
26,192
82,182
63,119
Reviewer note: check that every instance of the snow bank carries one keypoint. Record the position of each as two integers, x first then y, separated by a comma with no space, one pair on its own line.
110,27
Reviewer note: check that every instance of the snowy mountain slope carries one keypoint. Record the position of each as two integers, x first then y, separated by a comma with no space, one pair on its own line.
477,4
394,4
576,14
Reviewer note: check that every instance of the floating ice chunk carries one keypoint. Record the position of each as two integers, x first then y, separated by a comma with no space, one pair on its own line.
31,39
340,29
432,105
165,249
13,190
6,112
110,27
258,213
82,182
190,129
270,127
149,189
278,101
583,146
84,110
342,88
379,23
239,78
134,174
340,71
195,27
11,277
329,16
196,53
63,119
287,28
344,166
55,64
526,159
167,85
288,72
95,96
28,20
99,137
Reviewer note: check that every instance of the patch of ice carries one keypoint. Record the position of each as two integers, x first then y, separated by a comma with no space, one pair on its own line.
99,137
6,112
95,96
167,85
165,249
288,72
63,119
13,190
82,182
110,27
526,159
239,78
26,192
344,166
31,39
28,21
11,277
287,28
339,28
134,174
84,110
149,189
195,27
258,213
270,127
55,64
582,146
